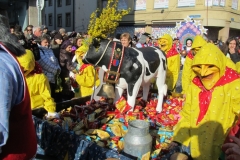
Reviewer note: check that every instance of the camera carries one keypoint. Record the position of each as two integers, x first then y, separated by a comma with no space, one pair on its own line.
32,44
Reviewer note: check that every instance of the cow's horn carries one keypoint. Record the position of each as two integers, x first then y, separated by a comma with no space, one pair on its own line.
107,90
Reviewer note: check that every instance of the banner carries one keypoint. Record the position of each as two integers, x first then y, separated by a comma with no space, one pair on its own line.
161,3
235,4
222,3
140,4
186,3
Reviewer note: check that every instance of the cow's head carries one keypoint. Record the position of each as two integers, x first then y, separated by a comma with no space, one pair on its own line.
97,48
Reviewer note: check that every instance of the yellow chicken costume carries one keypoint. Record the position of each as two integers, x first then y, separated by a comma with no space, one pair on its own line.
187,73
85,77
173,60
212,105
37,82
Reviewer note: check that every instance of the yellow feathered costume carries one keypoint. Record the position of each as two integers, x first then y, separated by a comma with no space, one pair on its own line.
85,77
173,60
188,74
38,85
208,114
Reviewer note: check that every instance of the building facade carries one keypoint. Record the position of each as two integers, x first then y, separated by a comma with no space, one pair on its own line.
73,15
220,17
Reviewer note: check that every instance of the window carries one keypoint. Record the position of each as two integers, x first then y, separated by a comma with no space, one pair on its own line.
49,2
59,3
68,19
68,2
59,20
50,19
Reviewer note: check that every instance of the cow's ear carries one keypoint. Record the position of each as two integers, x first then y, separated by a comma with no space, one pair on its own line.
96,42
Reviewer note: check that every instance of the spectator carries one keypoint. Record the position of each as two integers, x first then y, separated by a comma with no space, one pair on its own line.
45,31
126,40
37,32
17,132
29,32
49,63
66,66
62,31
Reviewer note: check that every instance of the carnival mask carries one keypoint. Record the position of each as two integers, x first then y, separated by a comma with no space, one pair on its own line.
164,44
209,74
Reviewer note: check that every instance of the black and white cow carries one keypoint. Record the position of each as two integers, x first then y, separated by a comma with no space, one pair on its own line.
139,67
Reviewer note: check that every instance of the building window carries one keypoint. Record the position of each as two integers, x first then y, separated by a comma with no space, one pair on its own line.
68,19
49,2
59,3
59,20
50,19
68,2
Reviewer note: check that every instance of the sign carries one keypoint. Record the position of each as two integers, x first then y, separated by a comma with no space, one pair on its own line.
222,3
235,4
186,3
208,3
161,3
216,2
40,4
140,4
195,16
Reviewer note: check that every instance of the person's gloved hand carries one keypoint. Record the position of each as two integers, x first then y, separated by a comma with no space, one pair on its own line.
53,115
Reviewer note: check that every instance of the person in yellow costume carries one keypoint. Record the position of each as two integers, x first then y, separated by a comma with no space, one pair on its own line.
38,86
173,60
85,76
187,73
212,106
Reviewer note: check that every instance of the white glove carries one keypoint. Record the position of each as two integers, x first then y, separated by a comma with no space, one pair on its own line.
53,115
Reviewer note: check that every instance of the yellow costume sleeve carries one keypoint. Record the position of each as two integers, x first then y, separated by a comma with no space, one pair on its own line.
235,102
86,77
173,64
40,92
182,129
187,74
238,67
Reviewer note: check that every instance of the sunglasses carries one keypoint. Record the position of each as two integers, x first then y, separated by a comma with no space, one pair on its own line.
29,30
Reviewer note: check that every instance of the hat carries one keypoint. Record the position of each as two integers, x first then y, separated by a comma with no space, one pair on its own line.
176,38
147,34
65,44
58,36
44,27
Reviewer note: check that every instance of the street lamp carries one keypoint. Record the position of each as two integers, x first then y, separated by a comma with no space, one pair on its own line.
40,5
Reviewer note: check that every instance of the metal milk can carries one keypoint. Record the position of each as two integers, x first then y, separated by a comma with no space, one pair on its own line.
138,141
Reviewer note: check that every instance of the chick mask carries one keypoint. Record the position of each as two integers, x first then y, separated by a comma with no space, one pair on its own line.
209,65
165,42
198,42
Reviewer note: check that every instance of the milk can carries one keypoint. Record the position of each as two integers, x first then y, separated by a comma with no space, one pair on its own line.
137,141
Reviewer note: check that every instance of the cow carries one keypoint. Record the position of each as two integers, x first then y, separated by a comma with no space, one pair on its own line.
138,68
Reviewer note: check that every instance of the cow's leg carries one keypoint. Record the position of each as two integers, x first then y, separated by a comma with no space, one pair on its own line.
133,90
146,88
118,93
162,89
